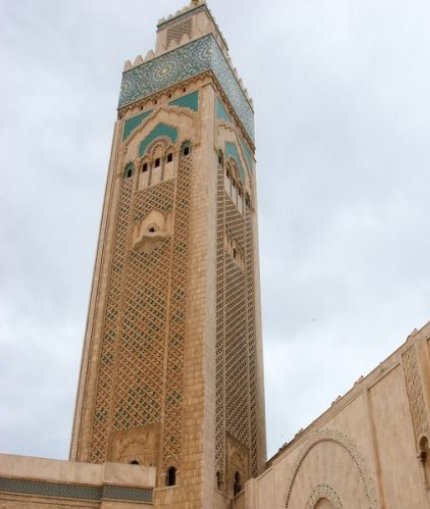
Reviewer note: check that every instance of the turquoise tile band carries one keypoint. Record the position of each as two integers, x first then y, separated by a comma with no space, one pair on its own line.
183,63
74,491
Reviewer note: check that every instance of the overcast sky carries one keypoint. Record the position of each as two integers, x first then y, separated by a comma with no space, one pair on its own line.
341,91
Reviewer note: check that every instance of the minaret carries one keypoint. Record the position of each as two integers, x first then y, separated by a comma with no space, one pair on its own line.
171,373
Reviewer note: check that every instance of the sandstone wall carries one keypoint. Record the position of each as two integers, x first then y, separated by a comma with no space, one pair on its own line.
369,450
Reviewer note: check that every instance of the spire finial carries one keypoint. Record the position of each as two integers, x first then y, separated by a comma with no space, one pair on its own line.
195,2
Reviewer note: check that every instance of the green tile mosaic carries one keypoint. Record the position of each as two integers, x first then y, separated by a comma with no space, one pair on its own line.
232,151
46,489
124,493
133,122
221,112
159,130
248,155
185,62
74,491
190,101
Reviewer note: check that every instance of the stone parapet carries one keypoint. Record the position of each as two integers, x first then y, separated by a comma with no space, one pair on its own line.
51,482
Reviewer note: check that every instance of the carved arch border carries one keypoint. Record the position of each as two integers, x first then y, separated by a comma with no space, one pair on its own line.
337,437
161,142
172,113
229,133
171,117
324,491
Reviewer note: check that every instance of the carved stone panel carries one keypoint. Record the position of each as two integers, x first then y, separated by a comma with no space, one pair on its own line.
415,393
237,465
139,445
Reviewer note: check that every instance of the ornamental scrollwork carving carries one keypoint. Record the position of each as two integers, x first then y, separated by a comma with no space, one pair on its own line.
338,438
415,393
324,491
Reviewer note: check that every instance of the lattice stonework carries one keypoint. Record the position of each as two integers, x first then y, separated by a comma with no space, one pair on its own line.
103,403
178,30
176,333
236,384
220,327
252,342
141,362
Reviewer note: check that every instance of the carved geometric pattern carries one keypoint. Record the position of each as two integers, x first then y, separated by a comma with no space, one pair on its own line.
176,331
74,491
220,328
236,344
139,380
185,62
178,30
141,363
106,372
324,491
415,393
252,342
336,437
47,489
236,334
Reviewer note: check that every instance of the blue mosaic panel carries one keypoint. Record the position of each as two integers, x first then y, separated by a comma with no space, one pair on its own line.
183,63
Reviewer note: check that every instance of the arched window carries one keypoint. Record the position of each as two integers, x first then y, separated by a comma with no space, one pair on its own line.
219,483
424,458
134,462
129,170
247,200
237,487
145,167
186,149
169,158
171,476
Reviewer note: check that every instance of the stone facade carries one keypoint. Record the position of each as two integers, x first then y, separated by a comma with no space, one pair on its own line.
369,450
35,482
172,367
170,407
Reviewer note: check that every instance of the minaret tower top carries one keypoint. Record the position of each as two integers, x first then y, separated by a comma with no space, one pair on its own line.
191,22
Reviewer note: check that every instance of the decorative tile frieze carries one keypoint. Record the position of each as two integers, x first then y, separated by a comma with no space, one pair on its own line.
74,491
185,62
125,493
49,489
